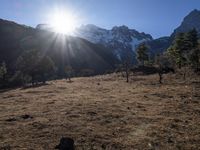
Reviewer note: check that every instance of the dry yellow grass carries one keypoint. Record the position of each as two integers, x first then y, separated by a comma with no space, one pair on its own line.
103,112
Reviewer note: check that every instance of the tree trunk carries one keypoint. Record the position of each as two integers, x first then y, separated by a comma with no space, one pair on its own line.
127,77
160,77
184,73
127,73
43,79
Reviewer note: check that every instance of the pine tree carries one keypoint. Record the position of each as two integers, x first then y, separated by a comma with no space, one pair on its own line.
142,53
193,48
192,39
185,50
45,68
127,65
32,63
178,49
195,58
3,72
68,71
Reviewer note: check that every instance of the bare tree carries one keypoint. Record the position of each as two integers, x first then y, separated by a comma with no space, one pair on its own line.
127,65
68,71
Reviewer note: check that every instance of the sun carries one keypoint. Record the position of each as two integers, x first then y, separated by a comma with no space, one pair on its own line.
63,22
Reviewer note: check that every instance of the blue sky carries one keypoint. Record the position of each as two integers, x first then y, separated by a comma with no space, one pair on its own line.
156,17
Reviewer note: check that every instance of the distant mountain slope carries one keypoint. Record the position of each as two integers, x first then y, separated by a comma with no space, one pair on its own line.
11,37
64,50
121,39
191,21
159,45
105,49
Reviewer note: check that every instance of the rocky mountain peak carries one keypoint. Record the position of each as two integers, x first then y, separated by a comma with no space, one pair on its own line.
120,28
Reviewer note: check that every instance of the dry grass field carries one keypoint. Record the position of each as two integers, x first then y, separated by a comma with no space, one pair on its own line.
103,112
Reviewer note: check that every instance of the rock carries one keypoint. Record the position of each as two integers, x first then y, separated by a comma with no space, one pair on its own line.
65,144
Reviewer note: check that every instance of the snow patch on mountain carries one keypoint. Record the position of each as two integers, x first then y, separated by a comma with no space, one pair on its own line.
120,39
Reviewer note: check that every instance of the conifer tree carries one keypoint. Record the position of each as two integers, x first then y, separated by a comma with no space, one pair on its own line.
142,53
3,72
193,49
178,49
35,65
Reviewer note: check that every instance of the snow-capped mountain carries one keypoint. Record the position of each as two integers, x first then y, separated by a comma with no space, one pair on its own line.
121,40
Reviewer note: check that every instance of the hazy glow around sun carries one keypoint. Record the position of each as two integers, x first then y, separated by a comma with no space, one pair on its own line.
63,22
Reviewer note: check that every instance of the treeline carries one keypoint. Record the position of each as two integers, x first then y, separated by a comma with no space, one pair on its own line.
185,50
182,56
76,55
30,67
34,67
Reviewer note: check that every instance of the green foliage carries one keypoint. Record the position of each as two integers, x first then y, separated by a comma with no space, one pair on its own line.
184,50
3,71
63,50
191,39
32,63
87,72
3,74
142,53
163,61
45,68
68,72
18,79
177,50
28,61
195,49
195,58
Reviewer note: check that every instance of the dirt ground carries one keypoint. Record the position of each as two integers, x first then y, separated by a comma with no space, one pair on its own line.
103,112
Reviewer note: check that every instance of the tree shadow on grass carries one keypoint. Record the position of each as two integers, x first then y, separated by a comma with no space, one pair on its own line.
69,81
8,89
30,86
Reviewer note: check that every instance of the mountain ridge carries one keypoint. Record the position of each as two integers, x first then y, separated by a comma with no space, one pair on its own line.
119,41
64,50
191,21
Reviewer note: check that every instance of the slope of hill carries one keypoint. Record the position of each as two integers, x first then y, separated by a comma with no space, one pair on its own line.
139,115
10,40
64,50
